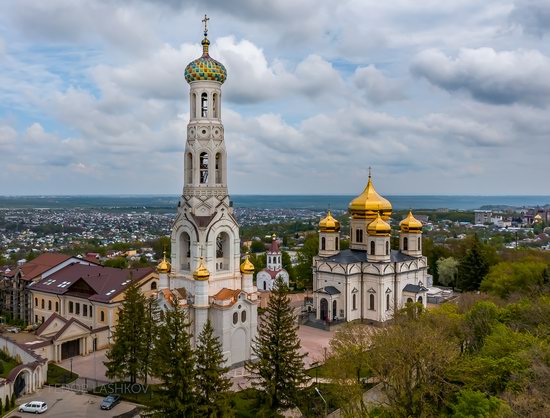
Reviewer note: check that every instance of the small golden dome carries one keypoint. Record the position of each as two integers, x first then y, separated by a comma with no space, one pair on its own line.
247,267
201,273
537,218
410,224
369,203
379,227
329,224
164,266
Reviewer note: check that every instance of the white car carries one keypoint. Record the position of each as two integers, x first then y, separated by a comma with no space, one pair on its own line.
36,407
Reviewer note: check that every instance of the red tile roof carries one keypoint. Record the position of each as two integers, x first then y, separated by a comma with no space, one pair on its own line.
226,294
274,248
42,263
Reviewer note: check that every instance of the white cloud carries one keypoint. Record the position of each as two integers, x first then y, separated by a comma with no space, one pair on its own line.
376,87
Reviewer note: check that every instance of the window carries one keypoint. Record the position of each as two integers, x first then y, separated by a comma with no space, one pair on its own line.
354,301
91,310
235,318
323,243
387,248
387,302
405,243
189,168
218,168
203,168
419,299
85,310
42,303
70,307
409,300
49,305
372,247
42,319
57,306
102,316
77,309
36,318
194,106
36,302
265,285
153,285
336,243
215,105
418,243
204,105
371,302
243,316
359,235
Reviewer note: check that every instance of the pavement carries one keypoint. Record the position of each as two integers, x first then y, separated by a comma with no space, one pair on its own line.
63,403
90,366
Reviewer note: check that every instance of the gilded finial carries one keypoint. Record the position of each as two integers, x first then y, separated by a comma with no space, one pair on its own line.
205,21
201,273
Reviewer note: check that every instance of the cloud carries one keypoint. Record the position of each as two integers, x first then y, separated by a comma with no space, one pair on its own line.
506,77
376,87
532,15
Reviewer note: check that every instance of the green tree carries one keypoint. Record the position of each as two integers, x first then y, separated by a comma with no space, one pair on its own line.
118,262
150,328
287,265
174,365
257,247
303,270
212,387
446,270
473,267
160,245
125,357
479,322
279,371
510,277
475,404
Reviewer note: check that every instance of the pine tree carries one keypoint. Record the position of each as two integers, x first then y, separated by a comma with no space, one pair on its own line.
151,325
125,358
174,365
473,267
212,386
279,371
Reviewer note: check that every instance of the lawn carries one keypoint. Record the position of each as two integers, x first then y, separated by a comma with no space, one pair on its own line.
322,371
6,366
57,375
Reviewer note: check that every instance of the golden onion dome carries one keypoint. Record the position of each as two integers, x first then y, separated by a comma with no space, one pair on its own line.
247,267
164,266
410,224
537,218
329,223
369,203
201,273
379,227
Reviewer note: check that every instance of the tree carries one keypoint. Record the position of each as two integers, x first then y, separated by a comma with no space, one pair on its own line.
174,365
150,328
446,270
125,357
279,371
303,270
212,386
257,247
473,267
509,277
160,245
475,404
287,265
118,262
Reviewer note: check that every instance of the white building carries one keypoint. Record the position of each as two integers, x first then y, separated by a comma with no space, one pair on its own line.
206,259
265,279
369,281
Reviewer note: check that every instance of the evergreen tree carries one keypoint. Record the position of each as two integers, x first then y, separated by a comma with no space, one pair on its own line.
473,267
150,325
174,365
211,384
125,357
279,371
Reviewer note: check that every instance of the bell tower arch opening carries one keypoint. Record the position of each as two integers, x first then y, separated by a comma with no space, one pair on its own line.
203,168
223,251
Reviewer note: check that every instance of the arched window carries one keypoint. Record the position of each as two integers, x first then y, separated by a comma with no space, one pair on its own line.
334,310
269,259
204,105
419,299
194,105
265,285
102,316
57,307
204,168
235,318
405,243
387,301
153,285
323,243
219,179
409,300
387,248
372,247
222,251
371,302
243,316
354,301
189,168
336,243
36,302
185,251
49,305
42,304
215,105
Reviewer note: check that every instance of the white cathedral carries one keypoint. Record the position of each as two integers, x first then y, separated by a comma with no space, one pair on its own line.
206,273
368,281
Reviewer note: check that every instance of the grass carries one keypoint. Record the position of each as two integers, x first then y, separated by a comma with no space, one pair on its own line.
248,404
57,375
322,371
7,366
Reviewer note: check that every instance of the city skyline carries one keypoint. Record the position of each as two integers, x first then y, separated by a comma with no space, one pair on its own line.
440,99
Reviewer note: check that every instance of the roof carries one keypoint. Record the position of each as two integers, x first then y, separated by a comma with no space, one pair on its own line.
414,288
329,290
274,247
226,294
360,256
96,283
41,264
273,273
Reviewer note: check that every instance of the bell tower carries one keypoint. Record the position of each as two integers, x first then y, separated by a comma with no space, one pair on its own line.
205,225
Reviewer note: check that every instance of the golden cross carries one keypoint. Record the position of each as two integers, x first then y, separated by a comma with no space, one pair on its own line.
205,21
369,172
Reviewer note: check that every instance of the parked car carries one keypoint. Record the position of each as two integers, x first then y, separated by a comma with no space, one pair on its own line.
110,401
15,330
36,407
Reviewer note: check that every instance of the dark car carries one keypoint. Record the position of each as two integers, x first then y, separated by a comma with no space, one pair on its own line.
110,401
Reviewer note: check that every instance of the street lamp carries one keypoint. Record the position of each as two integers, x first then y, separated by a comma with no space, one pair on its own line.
326,405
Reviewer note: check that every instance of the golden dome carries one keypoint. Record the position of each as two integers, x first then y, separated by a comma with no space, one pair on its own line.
201,273
379,227
247,267
410,224
369,203
329,224
537,218
164,266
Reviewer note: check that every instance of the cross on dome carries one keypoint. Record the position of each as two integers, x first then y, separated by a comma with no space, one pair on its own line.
205,21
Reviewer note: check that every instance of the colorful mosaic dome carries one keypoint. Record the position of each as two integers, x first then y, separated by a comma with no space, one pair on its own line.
205,67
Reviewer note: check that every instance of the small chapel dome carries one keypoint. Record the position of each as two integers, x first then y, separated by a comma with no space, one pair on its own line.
369,203
205,68
164,265
329,224
410,224
379,227
201,273
247,267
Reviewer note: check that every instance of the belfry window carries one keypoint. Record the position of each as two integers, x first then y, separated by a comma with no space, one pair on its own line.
218,168
222,251
204,105
215,105
204,167
405,243
194,106
372,247
189,169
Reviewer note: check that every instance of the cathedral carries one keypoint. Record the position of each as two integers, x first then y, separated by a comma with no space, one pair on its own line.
368,281
206,274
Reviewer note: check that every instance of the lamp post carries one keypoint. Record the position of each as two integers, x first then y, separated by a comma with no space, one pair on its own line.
326,405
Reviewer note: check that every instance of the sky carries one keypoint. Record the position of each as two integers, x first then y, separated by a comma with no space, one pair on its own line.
438,97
